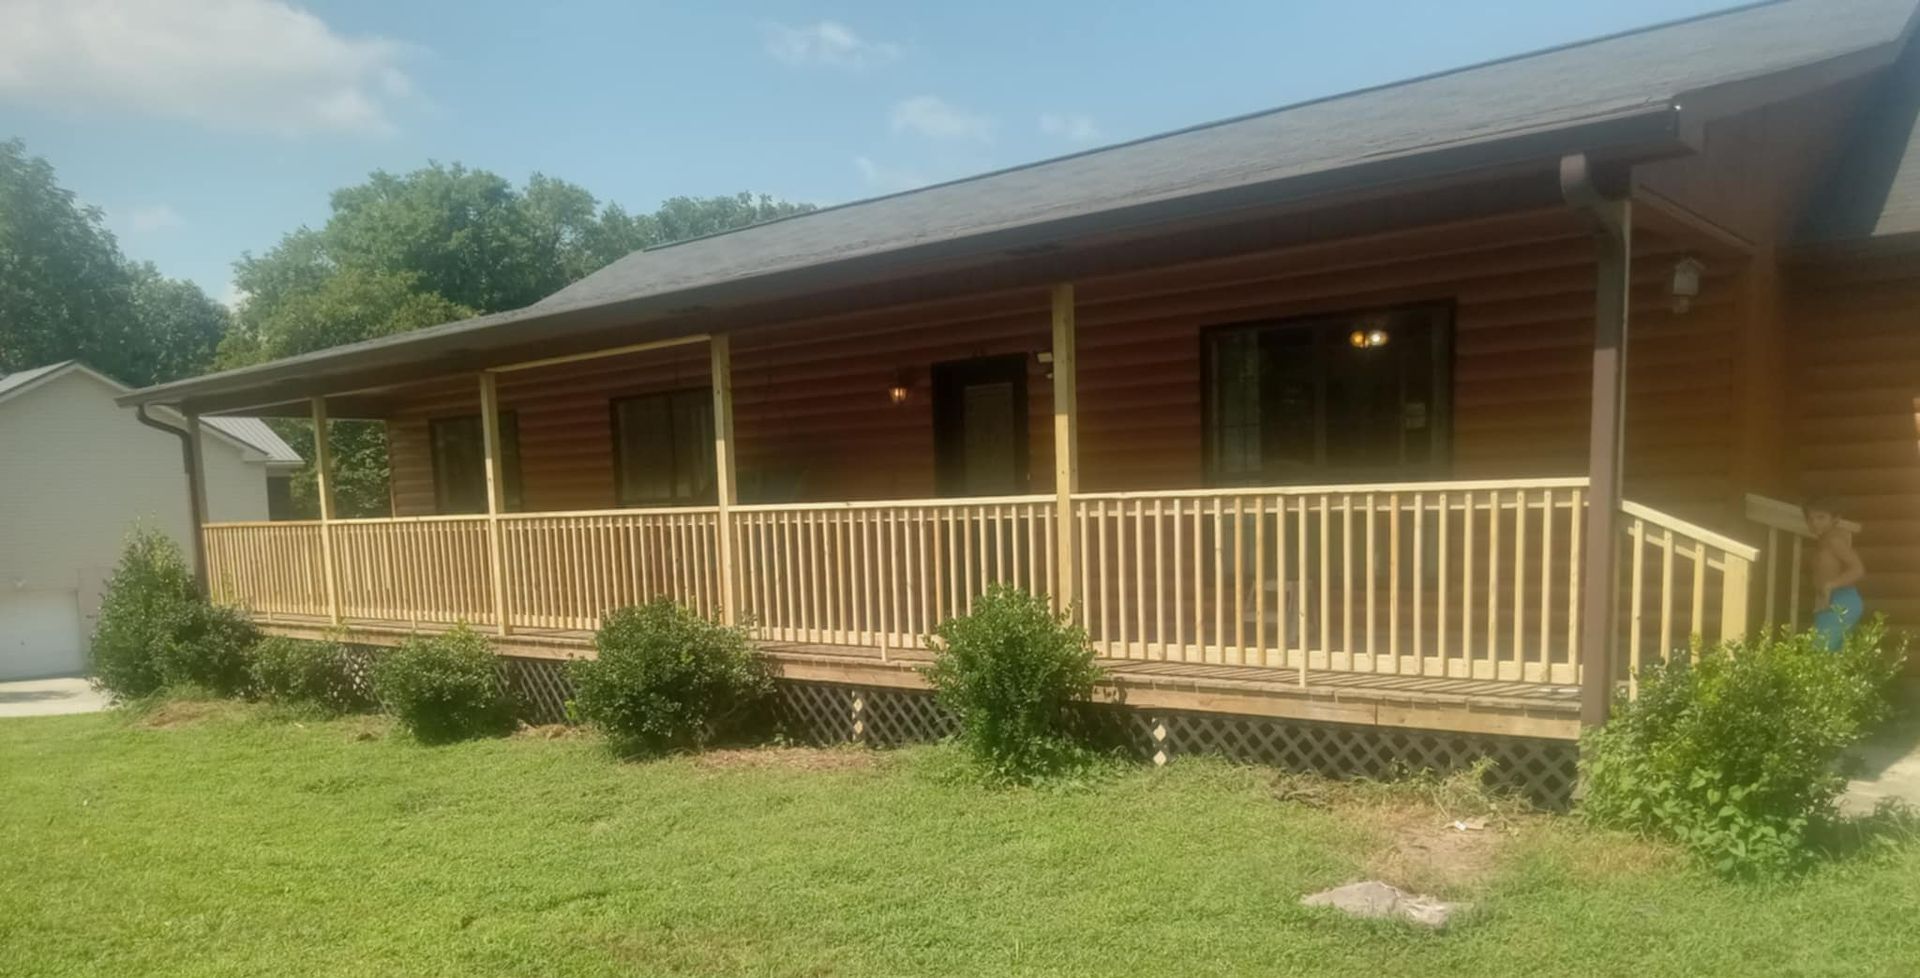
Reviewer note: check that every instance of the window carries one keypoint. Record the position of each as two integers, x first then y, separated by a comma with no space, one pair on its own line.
663,448
460,463
1337,398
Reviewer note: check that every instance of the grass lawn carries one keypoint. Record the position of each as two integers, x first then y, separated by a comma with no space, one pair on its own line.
215,839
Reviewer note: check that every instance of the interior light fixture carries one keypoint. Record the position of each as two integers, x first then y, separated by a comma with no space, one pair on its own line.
1367,339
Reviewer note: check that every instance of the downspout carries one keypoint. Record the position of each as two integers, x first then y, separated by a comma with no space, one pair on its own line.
1602,199
196,492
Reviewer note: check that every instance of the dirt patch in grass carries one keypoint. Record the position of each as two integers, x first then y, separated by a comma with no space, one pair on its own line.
169,714
1442,836
1422,850
789,758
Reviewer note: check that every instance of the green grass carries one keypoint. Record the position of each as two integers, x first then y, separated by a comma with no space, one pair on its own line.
245,843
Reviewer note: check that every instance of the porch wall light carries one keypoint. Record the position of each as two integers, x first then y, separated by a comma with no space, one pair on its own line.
902,389
1367,339
1686,283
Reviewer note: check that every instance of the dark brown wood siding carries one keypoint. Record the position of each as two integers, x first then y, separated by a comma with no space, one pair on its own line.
1854,329
814,421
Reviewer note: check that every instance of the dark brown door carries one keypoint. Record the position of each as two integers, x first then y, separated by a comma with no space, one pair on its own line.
980,426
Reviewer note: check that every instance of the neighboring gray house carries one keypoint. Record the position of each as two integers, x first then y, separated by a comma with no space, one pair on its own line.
76,473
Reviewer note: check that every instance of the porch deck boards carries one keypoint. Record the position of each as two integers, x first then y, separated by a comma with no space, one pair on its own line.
1477,706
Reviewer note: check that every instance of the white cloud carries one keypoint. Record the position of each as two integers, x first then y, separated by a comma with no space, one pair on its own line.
1073,127
939,119
826,43
247,65
153,217
886,179
234,296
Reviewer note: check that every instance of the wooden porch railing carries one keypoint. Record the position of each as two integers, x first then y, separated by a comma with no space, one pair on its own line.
1461,579
1682,581
1464,579
430,569
269,568
884,573
565,570
1783,587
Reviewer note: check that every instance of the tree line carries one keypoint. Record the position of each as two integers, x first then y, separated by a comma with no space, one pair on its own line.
398,252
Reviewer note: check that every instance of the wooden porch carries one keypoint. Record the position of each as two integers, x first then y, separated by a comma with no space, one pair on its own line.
1444,606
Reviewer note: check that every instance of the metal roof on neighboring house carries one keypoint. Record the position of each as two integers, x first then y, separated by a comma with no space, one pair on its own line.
252,433
1670,77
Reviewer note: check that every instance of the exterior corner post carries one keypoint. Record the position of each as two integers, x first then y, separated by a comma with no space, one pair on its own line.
1066,442
724,470
1602,199
197,503
496,497
323,490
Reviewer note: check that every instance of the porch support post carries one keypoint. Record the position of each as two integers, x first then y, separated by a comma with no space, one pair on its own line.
1066,442
323,490
1610,214
721,347
197,502
496,495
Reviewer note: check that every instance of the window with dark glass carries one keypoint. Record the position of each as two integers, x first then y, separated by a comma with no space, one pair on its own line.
663,448
1348,397
460,463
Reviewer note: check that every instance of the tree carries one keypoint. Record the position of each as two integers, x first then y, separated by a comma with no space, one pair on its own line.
439,244
66,292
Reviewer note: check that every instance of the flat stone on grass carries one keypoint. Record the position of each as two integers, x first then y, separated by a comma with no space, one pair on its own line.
1373,899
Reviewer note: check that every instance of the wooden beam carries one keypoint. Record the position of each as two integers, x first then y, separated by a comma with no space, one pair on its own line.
496,496
197,501
725,490
323,490
1066,441
602,354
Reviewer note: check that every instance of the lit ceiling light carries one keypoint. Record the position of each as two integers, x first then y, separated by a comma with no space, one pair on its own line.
1366,339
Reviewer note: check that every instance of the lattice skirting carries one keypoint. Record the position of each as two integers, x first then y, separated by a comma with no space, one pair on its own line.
539,687
1543,770
820,714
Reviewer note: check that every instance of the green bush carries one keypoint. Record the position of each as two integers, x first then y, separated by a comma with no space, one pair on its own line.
156,631
295,672
444,687
666,678
1011,671
210,650
1736,756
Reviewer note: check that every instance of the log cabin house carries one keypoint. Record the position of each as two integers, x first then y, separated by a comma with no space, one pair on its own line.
1444,405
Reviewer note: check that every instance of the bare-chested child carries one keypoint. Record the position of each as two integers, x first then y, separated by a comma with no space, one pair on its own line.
1836,572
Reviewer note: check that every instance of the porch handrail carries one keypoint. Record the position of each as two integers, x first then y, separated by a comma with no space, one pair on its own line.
1699,534
896,503
1354,489
1776,514
1778,517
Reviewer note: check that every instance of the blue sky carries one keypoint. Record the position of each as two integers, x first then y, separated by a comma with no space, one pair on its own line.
206,128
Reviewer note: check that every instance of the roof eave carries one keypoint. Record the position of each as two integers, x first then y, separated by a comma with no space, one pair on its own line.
1651,132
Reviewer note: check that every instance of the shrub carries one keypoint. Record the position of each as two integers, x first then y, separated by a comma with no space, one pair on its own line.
294,672
444,687
209,649
156,631
666,678
1736,756
1011,672
146,598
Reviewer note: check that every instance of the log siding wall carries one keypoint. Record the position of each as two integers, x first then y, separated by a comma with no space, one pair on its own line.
814,423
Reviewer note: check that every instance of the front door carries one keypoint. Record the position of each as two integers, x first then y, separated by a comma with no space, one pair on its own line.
980,426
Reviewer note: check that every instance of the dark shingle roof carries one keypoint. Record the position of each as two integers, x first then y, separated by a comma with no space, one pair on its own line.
1563,89
1873,191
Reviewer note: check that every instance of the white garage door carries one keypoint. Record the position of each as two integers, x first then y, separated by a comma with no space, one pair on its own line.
40,634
